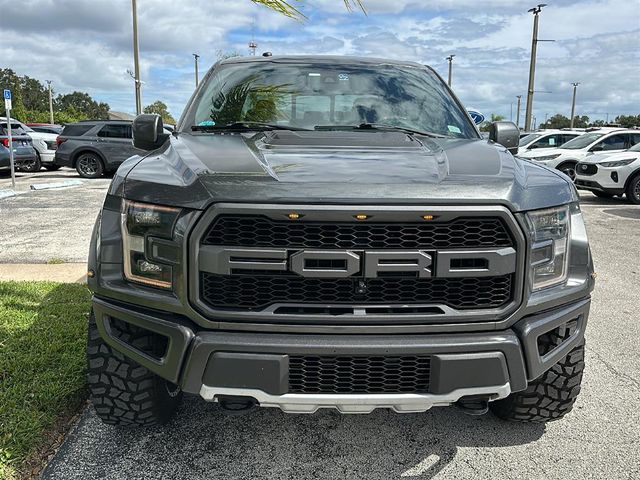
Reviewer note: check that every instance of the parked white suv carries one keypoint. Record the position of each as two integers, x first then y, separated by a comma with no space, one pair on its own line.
612,174
43,143
605,140
546,139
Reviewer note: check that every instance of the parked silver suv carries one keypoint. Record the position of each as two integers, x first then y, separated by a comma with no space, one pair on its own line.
96,147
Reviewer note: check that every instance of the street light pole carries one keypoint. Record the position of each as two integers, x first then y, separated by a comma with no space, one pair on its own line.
136,58
50,102
450,59
532,67
519,97
573,102
196,57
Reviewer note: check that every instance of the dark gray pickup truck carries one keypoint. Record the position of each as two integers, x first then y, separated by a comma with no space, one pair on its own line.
329,232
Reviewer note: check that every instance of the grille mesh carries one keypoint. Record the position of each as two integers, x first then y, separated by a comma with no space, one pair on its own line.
260,231
255,292
355,374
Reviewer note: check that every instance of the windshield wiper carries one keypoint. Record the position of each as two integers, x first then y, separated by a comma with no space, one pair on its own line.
378,126
244,126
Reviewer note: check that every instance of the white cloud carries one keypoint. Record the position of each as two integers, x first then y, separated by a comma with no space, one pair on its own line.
86,45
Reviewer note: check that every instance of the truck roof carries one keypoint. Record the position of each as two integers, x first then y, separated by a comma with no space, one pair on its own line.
326,59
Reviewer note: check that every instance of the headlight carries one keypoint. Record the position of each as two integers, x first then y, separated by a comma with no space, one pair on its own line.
140,221
546,157
618,163
549,231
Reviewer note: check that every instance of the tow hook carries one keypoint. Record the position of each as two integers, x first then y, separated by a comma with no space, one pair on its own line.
236,405
474,405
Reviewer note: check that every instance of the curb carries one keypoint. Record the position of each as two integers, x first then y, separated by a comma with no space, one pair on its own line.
42,272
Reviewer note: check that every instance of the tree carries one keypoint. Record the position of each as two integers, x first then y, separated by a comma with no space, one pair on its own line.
9,79
557,121
81,104
628,120
160,108
35,95
484,126
287,8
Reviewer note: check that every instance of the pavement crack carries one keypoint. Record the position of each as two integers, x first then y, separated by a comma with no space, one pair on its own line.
614,370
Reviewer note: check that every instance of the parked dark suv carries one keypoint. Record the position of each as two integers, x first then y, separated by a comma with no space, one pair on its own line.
24,155
96,147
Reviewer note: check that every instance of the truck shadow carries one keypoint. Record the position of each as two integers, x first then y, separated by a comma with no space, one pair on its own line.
204,442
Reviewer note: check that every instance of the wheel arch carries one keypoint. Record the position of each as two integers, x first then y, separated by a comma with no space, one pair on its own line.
631,176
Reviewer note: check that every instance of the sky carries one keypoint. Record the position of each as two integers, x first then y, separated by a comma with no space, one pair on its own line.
86,45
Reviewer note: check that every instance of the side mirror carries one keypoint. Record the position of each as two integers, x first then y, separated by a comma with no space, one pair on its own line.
506,134
148,133
597,148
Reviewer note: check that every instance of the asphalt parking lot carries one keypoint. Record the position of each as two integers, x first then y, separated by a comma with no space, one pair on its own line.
599,439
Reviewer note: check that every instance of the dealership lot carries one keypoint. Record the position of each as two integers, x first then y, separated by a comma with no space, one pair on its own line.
598,439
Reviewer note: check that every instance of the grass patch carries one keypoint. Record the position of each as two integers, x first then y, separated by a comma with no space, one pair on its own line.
42,364
56,261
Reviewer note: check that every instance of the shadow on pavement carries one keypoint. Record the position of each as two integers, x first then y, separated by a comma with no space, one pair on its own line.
203,442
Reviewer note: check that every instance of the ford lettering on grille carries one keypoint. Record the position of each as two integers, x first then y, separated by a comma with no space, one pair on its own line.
358,263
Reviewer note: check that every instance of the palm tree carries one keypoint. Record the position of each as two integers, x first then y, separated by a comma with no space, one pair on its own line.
286,8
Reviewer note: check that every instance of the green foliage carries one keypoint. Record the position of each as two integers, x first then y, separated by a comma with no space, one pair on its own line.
288,9
628,120
484,126
31,102
160,108
42,364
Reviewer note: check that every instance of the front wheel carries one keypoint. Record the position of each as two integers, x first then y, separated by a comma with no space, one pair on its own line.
569,169
123,392
549,397
633,190
89,165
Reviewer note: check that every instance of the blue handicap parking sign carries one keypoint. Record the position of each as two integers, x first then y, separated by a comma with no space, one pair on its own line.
7,94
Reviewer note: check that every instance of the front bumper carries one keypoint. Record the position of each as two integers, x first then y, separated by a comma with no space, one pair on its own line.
611,180
218,364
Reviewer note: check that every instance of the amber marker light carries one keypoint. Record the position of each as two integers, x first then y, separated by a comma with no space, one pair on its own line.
428,217
361,216
294,216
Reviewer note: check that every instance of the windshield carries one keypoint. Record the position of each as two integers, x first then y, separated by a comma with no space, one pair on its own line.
529,138
582,141
328,95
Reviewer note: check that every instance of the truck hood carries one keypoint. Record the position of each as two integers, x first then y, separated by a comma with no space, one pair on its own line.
194,170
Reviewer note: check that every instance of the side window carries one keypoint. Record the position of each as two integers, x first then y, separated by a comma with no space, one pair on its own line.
614,142
547,142
115,131
634,139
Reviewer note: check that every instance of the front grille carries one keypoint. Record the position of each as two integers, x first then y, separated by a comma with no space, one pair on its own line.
359,374
587,169
260,231
260,291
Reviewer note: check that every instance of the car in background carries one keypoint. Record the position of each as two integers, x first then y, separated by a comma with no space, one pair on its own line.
565,158
611,174
546,139
46,128
95,147
43,143
24,155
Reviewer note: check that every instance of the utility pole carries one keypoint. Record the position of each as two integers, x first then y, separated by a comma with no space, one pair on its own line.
511,113
573,102
450,60
136,59
50,102
195,58
519,97
532,67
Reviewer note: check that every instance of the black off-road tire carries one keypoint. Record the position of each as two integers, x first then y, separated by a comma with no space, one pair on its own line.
123,392
549,397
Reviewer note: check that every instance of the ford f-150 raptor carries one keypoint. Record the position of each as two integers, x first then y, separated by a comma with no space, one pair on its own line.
333,232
